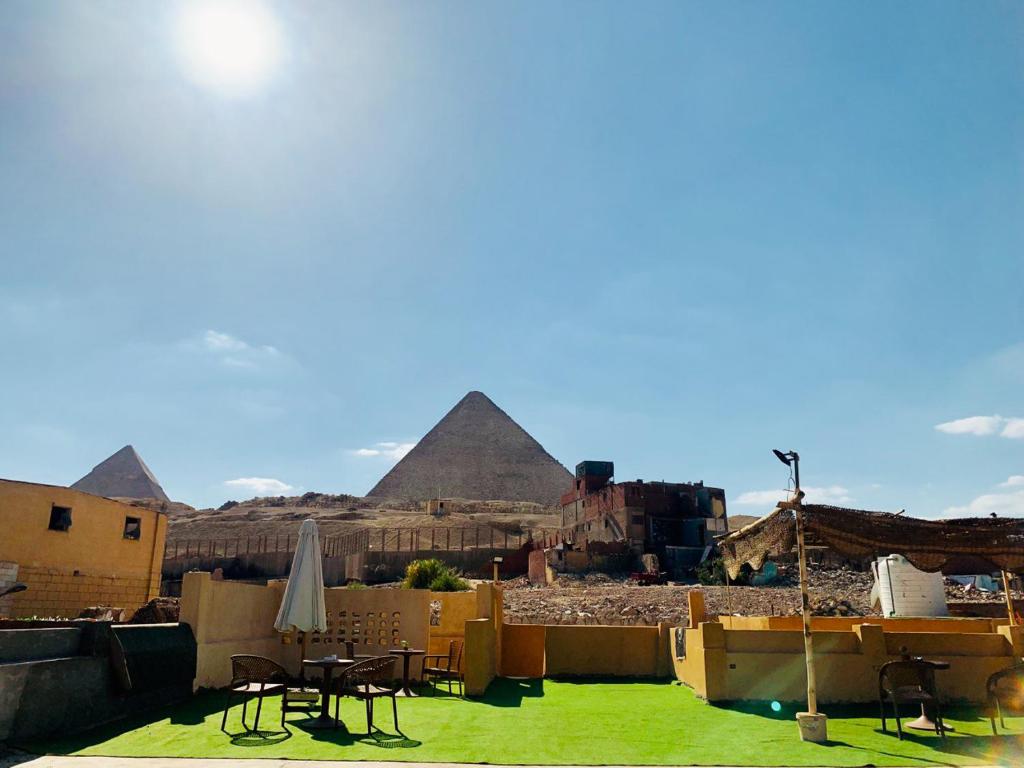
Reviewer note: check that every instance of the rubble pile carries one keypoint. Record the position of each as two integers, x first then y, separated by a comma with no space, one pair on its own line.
603,599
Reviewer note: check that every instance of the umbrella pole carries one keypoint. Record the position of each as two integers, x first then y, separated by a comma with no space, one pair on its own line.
1009,598
812,724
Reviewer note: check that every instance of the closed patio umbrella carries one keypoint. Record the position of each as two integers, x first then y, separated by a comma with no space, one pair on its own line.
302,607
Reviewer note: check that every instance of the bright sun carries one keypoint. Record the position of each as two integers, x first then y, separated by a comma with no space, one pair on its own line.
232,46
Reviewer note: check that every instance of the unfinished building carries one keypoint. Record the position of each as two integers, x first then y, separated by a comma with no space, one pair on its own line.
675,521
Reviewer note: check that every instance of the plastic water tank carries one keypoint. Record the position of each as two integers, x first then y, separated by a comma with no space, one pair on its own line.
905,591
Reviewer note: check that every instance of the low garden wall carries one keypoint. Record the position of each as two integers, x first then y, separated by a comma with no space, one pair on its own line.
762,658
230,618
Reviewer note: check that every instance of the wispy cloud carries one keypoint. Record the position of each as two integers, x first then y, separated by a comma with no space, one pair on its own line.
1011,427
261,486
831,494
233,352
1003,504
1013,481
385,449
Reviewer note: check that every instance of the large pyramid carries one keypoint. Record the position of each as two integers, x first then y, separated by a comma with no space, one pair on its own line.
123,475
476,452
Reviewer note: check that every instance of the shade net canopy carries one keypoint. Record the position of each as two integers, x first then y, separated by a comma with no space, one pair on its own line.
303,607
966,545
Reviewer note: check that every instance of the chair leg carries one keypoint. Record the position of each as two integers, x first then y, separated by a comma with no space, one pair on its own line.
245,703
940,725
259,708
227,706
881,707
369,717
899,725
394,711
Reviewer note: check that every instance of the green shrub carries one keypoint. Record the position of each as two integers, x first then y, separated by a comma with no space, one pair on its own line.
449,581
420,573
432,574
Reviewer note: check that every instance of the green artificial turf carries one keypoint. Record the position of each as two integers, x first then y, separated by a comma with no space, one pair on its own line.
555,722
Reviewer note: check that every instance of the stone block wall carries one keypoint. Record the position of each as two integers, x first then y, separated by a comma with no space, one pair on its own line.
8,576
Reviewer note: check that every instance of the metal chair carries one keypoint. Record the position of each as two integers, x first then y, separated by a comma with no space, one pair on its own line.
1005,690
912,681
445,667
259,677
368,680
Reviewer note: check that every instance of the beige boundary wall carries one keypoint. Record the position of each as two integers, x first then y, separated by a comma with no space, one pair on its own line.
229,617
762,658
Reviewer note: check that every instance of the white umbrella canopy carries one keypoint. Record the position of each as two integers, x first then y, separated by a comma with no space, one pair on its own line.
302,606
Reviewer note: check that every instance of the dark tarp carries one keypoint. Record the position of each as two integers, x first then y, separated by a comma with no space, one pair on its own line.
967,545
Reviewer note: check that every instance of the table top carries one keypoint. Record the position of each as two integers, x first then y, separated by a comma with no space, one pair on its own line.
328,662
406,651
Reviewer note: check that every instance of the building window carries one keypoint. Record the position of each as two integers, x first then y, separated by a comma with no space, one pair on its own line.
60,518
133,528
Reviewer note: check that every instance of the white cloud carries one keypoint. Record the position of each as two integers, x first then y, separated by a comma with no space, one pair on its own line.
972,425
386,449
1011,427
1013,481
233,352
1003,504
832,494
261,486
1014,429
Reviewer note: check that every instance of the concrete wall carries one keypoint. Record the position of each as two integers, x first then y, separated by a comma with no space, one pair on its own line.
89,564
230,617
61,680
723,664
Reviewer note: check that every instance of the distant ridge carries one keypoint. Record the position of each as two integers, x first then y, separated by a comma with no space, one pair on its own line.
122,475
476,452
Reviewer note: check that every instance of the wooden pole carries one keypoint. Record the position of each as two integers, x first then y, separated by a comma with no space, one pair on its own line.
1009,598
805,600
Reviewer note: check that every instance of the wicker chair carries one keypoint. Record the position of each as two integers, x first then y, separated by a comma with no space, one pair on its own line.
1005,690
259,677
369,680
912,681
444,666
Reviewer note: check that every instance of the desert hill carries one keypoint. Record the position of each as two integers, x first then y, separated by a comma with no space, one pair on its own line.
340,513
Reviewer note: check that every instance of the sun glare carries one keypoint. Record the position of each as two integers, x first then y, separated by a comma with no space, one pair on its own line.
233,46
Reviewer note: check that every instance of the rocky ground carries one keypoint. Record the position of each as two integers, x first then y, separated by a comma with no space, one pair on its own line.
601,599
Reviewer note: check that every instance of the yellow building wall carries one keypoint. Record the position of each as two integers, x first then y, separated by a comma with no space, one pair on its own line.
456,608
89,564
481,655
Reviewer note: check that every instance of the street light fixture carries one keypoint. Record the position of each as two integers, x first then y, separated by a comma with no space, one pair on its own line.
790,459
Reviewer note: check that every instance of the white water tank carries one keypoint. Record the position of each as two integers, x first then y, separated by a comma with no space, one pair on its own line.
905,591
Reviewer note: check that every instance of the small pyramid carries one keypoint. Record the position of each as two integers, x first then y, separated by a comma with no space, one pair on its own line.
476,452
123,475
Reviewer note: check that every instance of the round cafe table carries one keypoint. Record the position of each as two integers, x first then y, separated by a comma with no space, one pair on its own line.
924,722
406,654
327,666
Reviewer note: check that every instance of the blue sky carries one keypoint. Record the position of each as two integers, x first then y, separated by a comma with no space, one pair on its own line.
674,235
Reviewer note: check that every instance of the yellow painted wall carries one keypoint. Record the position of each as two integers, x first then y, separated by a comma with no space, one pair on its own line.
600,650
481,655
229,617
90,564
522,652
847,623
768,664
456,609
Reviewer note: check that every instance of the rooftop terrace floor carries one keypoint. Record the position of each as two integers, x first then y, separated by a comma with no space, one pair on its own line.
546,722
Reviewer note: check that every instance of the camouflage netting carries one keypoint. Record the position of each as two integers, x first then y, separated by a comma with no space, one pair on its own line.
967,545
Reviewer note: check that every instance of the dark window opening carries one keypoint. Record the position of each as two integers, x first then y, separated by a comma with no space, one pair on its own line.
60,518
133,528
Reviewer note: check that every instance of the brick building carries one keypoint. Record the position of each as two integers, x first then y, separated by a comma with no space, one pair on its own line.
75,550
676,521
